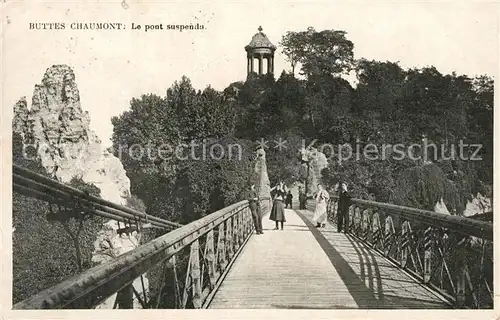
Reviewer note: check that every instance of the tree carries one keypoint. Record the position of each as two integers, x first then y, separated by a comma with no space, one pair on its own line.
323,52
251,118
480,122
327,100
282,160
200,114
180,179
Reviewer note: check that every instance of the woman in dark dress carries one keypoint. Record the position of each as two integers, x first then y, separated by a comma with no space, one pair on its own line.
278,211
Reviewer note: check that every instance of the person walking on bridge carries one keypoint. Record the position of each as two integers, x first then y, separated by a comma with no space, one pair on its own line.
320,214
302,199
278,210
254,204
288,200
343,209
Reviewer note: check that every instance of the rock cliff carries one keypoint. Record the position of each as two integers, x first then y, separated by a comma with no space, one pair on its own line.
59,130
262,184
317,162
478,205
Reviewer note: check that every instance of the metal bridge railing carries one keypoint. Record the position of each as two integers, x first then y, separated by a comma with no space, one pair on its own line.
184,267
37,186
450,254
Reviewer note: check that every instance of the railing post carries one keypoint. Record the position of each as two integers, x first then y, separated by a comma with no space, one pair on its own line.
427,254
460,295
336,210
125,297
239,228
235,233
250,219
240,218
404,242
461,272
195,274
376,228
329,211
351,215
244,218
241,225
245,221
350,219
168,295
221,247
389,236
366,223
172,265
210,257
229,238
360,223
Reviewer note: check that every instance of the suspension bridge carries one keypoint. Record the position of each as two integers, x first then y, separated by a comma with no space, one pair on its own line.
389,257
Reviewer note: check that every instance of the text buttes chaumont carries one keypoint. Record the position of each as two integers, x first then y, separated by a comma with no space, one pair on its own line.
77,25
100,26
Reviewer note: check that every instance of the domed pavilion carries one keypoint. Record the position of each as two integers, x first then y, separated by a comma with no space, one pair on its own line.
260,48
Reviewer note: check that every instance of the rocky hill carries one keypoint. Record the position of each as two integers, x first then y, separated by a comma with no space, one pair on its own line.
58,129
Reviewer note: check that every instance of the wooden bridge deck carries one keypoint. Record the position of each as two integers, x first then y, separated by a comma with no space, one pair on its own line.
305,267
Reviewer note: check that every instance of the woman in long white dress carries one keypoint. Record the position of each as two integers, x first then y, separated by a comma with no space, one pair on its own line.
320,214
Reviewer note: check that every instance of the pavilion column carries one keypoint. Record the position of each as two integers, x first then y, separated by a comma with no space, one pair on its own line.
251,63
260,64
248,65
270,64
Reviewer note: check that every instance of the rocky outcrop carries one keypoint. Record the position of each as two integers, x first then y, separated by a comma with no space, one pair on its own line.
262,184
478,205
59,130
317,162
66,146
440,207
20,123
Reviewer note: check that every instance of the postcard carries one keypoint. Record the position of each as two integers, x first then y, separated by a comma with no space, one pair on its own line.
268,159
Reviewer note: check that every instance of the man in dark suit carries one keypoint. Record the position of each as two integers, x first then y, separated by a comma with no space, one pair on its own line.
288,200
302,199
343,209
254,204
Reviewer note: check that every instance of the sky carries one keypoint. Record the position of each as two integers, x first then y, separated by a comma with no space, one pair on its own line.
111,67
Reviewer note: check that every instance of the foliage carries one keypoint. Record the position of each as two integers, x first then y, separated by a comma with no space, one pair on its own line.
423,186
394,106
184,175
324,52
389,106
327,102
44,252
136,203
283,164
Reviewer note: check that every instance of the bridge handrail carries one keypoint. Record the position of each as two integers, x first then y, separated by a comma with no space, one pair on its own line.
35,185
463,225
450,254
95,285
